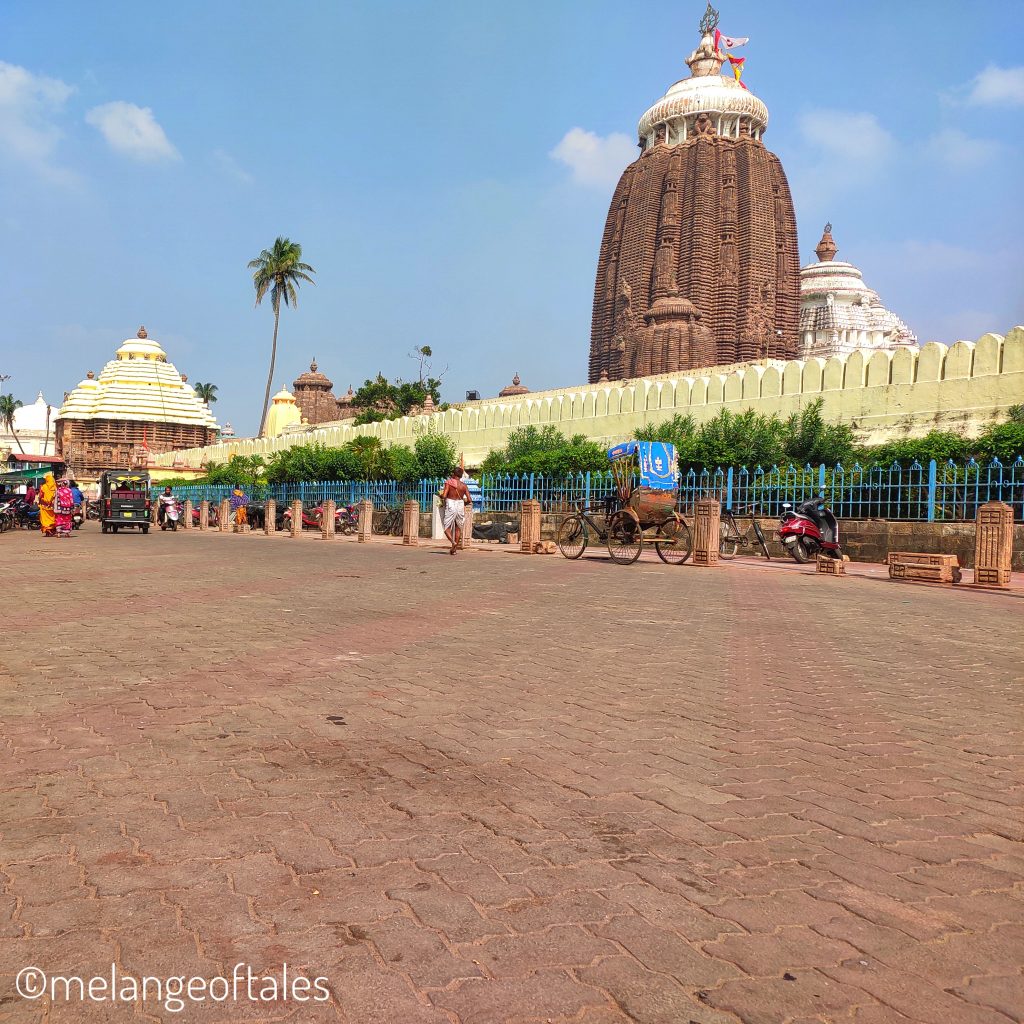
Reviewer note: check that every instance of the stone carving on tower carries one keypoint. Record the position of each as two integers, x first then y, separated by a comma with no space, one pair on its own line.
703,216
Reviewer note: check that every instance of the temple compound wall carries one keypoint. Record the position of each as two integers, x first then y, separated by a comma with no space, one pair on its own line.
884,395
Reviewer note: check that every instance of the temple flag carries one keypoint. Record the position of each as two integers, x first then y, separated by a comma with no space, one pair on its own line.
729,42
737,68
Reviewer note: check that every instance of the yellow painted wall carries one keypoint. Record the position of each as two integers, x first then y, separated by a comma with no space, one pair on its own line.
884,395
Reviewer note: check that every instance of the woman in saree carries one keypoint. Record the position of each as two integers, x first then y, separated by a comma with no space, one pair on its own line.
238,505
63,506
47,496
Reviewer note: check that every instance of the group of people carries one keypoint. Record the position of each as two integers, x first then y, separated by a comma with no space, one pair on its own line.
56,500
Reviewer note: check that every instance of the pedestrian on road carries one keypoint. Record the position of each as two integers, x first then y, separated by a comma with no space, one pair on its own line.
455,496
63,506
47,496
238,503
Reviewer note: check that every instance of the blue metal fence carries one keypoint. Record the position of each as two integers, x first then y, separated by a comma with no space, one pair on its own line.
936,492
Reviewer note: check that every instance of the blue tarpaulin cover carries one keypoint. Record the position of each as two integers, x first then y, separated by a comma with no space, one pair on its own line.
656,462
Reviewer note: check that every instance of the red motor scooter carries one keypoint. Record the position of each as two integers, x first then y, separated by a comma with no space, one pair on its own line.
808,530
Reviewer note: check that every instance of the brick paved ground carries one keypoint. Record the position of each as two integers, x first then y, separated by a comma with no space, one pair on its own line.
497,788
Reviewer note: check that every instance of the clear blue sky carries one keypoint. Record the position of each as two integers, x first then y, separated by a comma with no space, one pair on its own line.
419,154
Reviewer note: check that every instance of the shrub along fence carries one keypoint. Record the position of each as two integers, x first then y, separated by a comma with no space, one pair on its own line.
935,492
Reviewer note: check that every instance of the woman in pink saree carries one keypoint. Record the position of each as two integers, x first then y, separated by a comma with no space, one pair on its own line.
63,506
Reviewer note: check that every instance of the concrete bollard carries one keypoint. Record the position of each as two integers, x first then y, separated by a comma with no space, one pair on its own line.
327,510
224,516
270,517
187,515
467,528
411,523
529,526
296,518
706,531
365,529
204,514
993,545
154,512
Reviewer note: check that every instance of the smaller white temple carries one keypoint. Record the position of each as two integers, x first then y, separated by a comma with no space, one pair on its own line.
284,412
33,431
839,312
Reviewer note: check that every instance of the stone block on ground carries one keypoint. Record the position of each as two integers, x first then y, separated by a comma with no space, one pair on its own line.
923,566
204,515
296,524
411,523
270,517
365,529
327,510
224,516
831,566
529,526
466,539
993,545
187,515
706,531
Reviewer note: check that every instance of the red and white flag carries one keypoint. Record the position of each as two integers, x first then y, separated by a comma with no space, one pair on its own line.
729,42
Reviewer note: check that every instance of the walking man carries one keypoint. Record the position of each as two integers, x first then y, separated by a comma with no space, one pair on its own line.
455,496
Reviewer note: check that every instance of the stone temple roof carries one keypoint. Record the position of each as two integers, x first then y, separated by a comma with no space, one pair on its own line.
313,379
834,297
515,388
138,384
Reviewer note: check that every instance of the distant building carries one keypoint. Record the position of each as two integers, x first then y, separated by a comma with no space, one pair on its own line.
839,312
139,406
34,429
284,412
513,389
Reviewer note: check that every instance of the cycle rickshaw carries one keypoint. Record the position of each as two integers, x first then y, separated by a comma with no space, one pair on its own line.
644,506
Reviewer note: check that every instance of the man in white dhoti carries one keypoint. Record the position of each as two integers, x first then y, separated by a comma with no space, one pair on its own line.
454,498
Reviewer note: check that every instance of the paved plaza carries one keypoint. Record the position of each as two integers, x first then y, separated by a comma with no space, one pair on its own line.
499,788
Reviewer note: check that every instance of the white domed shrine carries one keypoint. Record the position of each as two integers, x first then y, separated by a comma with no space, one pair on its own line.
139,405
839,312
284,412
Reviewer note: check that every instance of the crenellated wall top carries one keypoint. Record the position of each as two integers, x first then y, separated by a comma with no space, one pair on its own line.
889,385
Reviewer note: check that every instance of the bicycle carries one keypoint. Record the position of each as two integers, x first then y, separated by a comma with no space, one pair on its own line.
390,521
731,539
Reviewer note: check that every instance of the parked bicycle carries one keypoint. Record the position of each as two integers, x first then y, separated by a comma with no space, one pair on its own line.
390,521
732,538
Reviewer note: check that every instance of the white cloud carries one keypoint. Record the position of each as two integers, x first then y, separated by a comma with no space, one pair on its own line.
29,107
958,150
230,166
996,86
132,131
594,160
850,140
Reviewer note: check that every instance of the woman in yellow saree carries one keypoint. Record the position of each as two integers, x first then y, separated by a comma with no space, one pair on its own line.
47,494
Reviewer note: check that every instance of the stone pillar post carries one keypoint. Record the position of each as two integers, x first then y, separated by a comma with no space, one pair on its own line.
270,517
224,516
327,519
154,512
993,545
296,518
365,530
467,528
529,526
204,514
706,532
411,523
187,514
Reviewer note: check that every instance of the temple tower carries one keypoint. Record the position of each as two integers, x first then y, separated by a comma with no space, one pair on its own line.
699,263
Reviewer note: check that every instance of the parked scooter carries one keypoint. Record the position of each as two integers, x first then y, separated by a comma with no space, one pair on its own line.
808,530
77,517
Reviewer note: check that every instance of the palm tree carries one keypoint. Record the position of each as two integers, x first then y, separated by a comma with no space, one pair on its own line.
206,392
9,405
278,271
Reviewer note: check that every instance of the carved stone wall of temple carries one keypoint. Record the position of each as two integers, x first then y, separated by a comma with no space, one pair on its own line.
699,263
314,396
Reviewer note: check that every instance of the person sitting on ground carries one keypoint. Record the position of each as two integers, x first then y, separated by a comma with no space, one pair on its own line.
455,496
